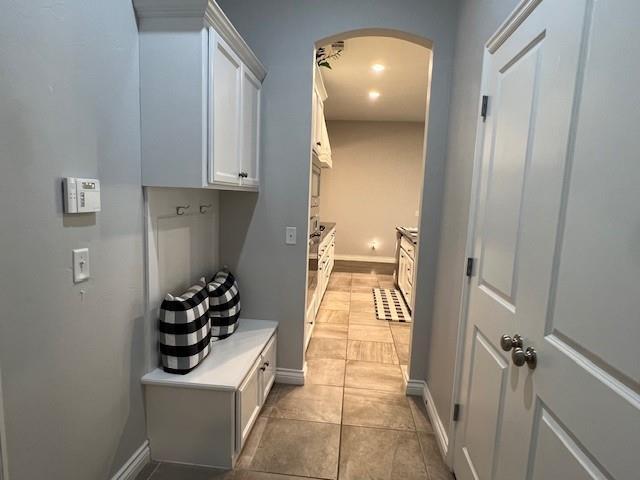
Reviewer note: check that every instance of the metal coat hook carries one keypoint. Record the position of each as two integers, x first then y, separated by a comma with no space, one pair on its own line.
181,208
204,208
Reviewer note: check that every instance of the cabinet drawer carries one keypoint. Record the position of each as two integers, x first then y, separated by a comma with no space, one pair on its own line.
248,403
268,368
408,247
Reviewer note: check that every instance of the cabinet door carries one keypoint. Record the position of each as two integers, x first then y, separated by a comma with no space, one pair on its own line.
250,132
224,111
314,119
410,271
325,147
402,269
268,368
248,403
317,123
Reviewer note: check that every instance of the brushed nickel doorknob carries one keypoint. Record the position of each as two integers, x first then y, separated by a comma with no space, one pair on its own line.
528,356
507,342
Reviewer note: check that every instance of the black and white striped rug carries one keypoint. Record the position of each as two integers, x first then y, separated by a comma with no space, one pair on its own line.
390,305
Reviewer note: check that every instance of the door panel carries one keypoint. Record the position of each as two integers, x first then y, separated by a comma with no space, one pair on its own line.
224,142
557,243
250,127
556,454
516,84
269,365
485,402
248,403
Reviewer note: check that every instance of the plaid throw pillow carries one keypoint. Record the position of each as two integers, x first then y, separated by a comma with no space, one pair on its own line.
185,332
224,305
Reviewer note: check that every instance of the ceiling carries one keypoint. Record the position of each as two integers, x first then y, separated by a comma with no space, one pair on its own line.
402,84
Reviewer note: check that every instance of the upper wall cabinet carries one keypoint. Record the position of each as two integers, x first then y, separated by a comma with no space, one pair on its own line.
319,137
199,98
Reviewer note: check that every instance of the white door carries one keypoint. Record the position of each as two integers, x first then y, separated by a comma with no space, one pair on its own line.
224,111
250,132
557,243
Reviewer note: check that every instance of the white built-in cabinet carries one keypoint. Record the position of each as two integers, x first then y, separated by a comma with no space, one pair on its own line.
200,89
205,416
326,262
320,145
406,262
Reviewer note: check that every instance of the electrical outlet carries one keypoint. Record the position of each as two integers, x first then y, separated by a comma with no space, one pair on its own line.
290,236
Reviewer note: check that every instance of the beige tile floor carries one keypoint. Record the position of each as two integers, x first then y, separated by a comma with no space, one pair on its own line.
351,420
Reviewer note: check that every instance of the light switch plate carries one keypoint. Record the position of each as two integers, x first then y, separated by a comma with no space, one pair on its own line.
81,268
290,236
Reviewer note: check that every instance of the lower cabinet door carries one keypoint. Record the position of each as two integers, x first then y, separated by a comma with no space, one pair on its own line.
268,368
248,403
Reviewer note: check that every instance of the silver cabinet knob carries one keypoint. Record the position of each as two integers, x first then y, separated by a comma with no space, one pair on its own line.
507,342
528,356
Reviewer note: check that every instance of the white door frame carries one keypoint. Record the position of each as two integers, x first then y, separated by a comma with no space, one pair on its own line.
519,14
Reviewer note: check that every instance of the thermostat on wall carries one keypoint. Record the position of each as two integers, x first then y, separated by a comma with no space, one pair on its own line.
81,195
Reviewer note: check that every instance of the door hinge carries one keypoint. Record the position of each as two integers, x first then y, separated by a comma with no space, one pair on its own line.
485,105
456,412
470,264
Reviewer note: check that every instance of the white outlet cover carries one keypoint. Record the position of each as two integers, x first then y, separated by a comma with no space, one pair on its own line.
81,266
290,236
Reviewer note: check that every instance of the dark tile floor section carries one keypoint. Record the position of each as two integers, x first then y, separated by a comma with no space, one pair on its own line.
352,419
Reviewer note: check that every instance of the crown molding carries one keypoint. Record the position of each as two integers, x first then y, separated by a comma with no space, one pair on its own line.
211,14
519,15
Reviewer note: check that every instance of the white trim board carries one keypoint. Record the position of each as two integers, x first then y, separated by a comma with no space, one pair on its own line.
366,258
290,376
419,388
132,467
415,388
436,422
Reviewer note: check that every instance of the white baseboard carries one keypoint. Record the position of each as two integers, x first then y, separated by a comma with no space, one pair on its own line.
135,464
366,258
436,421
415,388
290,376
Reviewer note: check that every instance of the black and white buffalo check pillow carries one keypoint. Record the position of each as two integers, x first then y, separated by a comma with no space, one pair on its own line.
224,304
185,331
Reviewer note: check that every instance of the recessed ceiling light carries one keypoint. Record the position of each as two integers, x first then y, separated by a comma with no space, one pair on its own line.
374,94
377,68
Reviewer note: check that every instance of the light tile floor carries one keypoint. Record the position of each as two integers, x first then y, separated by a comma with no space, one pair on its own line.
352,419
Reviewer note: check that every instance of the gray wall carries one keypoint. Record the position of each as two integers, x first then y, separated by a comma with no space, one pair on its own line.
478,20
374,185
71,368
283,34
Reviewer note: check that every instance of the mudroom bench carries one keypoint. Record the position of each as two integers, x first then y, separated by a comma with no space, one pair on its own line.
205,416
